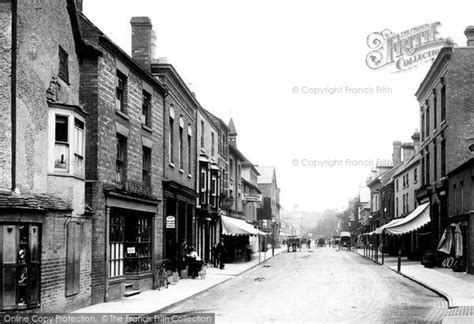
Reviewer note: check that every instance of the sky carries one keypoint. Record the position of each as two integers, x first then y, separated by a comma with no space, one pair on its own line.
294,78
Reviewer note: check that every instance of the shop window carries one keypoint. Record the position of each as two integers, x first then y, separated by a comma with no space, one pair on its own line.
130,243
146,109
19,266
146,166
137,244
61,146
120,91
121,160
116,244
73,258
63,72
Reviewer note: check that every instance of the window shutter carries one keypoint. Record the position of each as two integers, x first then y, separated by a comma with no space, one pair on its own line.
73,255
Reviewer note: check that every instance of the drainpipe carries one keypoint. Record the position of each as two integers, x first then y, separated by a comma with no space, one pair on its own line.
13,92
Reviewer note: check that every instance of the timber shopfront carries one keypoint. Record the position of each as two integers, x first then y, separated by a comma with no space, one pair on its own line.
131,245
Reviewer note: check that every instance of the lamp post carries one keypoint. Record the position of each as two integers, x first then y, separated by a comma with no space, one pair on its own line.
273,235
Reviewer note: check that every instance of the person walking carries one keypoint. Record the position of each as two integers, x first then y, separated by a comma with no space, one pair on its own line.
220,253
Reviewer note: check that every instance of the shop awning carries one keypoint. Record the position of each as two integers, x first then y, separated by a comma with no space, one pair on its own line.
418,218
236,227
394,222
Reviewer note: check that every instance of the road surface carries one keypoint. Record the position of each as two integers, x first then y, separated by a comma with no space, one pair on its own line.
317,285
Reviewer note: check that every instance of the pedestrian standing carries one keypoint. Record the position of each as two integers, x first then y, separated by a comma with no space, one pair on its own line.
221,252
182,249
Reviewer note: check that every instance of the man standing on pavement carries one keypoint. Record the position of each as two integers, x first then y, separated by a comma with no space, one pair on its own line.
220,252
183,246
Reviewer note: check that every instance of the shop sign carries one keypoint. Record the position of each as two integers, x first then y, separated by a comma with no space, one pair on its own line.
170,222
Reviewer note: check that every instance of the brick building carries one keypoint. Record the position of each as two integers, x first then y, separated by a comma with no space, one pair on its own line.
45,227
446,99
124,168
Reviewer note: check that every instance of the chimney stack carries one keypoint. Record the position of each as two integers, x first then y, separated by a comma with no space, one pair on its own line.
408,150
397,153
416,141
143,37
79,5
469,32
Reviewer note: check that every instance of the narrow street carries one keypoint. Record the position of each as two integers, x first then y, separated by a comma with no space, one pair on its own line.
317,285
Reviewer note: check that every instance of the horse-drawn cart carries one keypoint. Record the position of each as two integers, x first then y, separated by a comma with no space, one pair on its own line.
294,242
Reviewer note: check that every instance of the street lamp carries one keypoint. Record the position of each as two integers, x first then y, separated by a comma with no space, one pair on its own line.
273,234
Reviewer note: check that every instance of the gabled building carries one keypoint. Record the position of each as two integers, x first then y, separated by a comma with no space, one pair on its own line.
269,213
45,225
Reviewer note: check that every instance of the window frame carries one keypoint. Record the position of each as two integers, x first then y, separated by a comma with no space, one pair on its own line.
63,66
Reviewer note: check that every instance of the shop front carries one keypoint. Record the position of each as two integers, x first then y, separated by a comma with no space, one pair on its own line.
131,245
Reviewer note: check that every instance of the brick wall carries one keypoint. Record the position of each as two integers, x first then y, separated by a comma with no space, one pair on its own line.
53,268
98,96
460,107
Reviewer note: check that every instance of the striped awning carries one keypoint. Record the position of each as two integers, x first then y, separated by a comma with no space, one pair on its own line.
418,218
236,227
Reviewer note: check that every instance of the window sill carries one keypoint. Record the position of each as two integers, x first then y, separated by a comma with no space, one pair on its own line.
122,114
147,128
190,176
65,175
181,171
171,164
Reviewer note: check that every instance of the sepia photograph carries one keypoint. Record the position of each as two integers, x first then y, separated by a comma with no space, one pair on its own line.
236,161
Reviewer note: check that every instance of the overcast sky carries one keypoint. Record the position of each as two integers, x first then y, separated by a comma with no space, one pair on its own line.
246,59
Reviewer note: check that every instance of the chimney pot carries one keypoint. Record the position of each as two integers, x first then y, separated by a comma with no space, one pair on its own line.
469,32
79,5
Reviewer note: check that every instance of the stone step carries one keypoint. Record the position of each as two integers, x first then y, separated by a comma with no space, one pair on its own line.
130,293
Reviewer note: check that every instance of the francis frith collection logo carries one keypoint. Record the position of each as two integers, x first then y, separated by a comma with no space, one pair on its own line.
405,50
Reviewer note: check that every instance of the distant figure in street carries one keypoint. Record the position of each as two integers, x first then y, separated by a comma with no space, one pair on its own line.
308,243
183,246
248,252
220,253
214,255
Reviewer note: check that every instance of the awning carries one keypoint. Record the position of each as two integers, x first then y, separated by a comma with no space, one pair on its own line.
380,229
418,218
236,227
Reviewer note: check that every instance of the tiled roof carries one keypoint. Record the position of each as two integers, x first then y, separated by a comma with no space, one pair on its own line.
34,201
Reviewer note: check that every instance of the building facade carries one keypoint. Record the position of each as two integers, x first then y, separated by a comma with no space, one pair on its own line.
45,226
208,186
446,128
179,179
124,166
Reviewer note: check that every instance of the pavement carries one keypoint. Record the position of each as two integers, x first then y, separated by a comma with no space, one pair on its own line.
152,301
456,287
